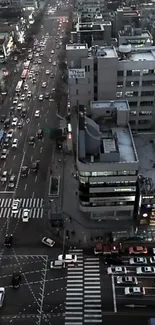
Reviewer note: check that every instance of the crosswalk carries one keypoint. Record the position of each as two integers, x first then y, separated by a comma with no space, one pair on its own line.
83,292
35,205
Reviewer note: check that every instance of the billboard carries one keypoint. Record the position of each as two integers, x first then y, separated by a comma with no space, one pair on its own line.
76,73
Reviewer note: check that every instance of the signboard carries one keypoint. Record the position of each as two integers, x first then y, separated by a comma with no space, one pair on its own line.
76,73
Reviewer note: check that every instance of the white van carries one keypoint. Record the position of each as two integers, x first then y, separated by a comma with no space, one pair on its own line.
57,264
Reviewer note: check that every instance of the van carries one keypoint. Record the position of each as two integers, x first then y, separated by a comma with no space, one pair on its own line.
57,264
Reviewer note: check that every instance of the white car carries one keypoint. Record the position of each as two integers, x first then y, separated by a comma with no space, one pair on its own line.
2,295
4,154
29,94
44,84
48,241
68,258
152,260
22,97
26,87
37,113
19,106
10,134
15,100
15,143
26,215
41,97
130,280
54,63
138,260
39,61
4,176
52,52
134,291
47,72
117,270
14,121
49,60
145,270
15,205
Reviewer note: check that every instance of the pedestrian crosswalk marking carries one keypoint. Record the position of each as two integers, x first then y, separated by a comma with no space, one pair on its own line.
35,213
24,203
35,205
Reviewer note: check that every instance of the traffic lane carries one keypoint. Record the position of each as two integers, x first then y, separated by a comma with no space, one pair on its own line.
106,289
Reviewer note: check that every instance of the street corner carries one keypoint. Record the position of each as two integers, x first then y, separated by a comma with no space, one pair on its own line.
26,301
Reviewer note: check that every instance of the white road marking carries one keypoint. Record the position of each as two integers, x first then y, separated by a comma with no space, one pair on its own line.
114,293
25,188
36,178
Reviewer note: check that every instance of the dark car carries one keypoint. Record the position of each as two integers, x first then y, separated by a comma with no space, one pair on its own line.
23,112
7,123
109,260
32,140
16,279
35,167
12,109
2,118
24,171
40,134
47,95
8,240
6,143
33,80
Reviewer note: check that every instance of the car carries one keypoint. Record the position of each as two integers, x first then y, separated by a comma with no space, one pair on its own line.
58,46
138,260
23,112
37,113
12,181
134,291
47,72
4,154
40,134
50,60
152,260
135,250
34,80
130,280
26,87
8,241
14,121
41,97
44,84
22,97
35,167
54,63
10,134
20,125
109,260
6,143
7,123
39,61
24,171
15,143
29,94
15,206
52,75
145,270
52,52
68,258
11,111
47,95
31,140
57,264
48,241
15,100
4,176
2,118
26,215
16,278
117,270
2,295
19,106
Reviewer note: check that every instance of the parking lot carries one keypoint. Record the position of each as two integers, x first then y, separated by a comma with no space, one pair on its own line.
41,291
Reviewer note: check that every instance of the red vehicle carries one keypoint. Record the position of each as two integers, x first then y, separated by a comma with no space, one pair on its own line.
135,250
106,249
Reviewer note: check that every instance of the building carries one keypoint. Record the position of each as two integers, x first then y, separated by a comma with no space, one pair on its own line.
135,36
104,73
126,16
91,5
6,46
92,33
107,162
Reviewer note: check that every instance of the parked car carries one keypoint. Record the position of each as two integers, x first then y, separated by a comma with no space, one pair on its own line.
48,241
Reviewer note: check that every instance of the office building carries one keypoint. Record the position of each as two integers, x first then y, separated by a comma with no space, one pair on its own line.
107,161
135,36
126,16
104,73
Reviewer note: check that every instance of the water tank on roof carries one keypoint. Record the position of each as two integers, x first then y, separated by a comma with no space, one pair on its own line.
125,48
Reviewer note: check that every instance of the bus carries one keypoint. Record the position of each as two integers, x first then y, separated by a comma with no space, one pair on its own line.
27,64
19,86
24,74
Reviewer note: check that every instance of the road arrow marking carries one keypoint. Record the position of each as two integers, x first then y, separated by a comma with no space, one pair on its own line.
135,306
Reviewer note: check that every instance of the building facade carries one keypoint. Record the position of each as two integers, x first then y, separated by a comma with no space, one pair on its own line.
104,73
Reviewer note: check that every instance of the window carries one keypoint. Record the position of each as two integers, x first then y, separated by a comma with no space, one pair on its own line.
145,71
120,84
132,83
76,80
133,104
146,103
119,94
95,79
147,93
135,72
85,68
129,73
144,122
133,113
147,83
131,93
145,113
88,68
120,73
77,91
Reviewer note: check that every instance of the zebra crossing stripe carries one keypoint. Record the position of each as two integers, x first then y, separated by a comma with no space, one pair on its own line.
35,213
24,203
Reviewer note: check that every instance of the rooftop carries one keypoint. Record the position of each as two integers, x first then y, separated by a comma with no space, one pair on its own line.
131,32
76,47
145,145
105,135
